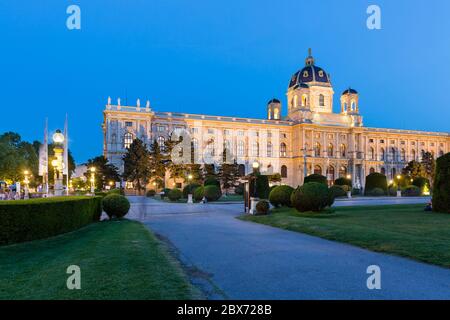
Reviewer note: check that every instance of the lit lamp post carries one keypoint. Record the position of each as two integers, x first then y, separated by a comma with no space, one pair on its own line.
254,199
92,169
399,193
190,189
57,163
349,192
111,183
26,181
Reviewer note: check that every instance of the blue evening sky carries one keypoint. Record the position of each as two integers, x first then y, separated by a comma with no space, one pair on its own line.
217,57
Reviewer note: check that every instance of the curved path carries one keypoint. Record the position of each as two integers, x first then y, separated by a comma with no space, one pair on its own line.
230,258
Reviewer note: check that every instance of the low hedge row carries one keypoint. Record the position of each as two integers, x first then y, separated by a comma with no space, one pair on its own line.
27,220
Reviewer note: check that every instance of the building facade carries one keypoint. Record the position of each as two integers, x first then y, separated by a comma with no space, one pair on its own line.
311,138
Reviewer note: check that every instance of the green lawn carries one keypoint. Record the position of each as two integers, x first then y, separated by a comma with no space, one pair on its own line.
118,260
404,230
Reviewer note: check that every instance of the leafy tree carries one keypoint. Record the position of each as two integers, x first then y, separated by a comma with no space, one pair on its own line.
229,175
196,171
137,165
414,169
157,166
104,172
209,171
275,178
429,164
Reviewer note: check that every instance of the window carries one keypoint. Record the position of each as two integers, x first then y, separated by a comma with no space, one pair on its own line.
161,143
295,101
402,142
372,153
321,100
128,124
353,106
343,150
283,135
304,100
371,170
330,173
330,150
128,139
392,141
393,154
382,154
283,171
194,150
283,151
269,134
241,170
255,149
317,169
226,132
413,154
317,149
211,131
381,141
240,148
113,138
342,171
210,148
240,133
194,130
371,140
403,155
269,149
161,128
383,171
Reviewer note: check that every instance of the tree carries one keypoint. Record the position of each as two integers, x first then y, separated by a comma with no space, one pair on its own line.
104,172
414,169
209,171
228,175
196,171
429,164
157,167
137,165
275,178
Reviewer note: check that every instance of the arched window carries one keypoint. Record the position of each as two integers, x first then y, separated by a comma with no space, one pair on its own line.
321,100
269,169
128,139
276,113
342,171
345,107
269,149
210,149
343,150
283,171
304,100
372,153
353,106
330,150
330,173
283,151
255,149
161,143
393,154
317,169
383,171
403,155
441,153
241,170
371,170
295,101
317,149
113,138
413,154
382,154
240,148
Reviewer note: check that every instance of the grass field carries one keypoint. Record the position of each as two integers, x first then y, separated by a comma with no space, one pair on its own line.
404,230
118,260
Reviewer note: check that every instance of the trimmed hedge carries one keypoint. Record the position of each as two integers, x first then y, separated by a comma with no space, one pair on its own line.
420,182
212,193
190,188
338,191
316,178
343,182
262,207
312,196
441,186
175,195
375,180
151,193
211,182
116,205
411,191
27,220
281,196
198,193
376,192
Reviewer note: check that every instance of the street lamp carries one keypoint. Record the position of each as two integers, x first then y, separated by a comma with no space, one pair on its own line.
26,181
57,162
92,170
190,189
254,199
399,194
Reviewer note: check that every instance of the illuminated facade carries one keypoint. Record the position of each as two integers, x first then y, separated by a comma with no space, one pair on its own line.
309,139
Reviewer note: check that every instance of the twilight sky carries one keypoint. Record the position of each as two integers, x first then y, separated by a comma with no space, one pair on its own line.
217,57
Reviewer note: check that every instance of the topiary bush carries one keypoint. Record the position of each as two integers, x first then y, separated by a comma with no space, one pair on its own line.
151,193
115,206
441,186
338,191
212,193
343,182
312,196
421,182
199,193
392,191
376,192
411,191
175,194
375,180
33,219
211,182
189,189
281,196
262,186
239,189
262,207
316,178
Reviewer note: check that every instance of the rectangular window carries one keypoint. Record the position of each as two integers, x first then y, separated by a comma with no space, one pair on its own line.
371,140
240,133
128,124
402,142
432,144
381,141
161,128
392,141
211,131
194,130
226,132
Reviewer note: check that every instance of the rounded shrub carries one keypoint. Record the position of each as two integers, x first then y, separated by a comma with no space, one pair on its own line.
281,196
151,193
262,207
115,205
343,182
312,196
392,191
375,180
376,192
175,195
338,191
116,191
441,185
211,182
315,178
199,193
421,182
239,189
189,189
411,191
212,193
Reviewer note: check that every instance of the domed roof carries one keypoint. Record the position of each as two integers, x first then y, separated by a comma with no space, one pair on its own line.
350,90
274,100
310,73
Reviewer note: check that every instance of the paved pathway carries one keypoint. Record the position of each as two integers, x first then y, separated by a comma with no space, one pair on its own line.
245,260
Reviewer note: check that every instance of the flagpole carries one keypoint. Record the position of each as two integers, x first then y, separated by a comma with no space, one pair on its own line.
66,154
